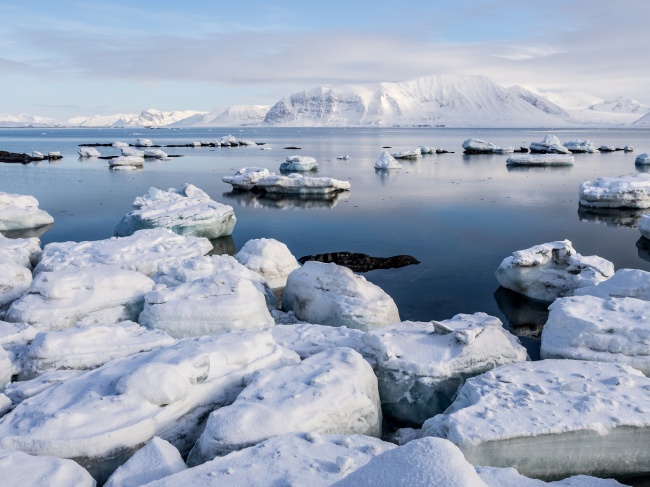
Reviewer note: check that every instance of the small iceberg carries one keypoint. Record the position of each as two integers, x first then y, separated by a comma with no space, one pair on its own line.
386,161
88,152
617,192
642,159
299,163
119,144
301,185
155,154
607,148
550,145
18,211
580,146
540,160
143,143
409,154
130,151
126,162
478,146
343,158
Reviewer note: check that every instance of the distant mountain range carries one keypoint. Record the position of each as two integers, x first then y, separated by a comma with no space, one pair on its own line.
429,101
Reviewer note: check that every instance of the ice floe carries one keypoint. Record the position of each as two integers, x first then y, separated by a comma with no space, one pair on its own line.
130,151
540,160
478,146
328,294
143,143
298,184
580,146
269,258
642,159
551,270
126,162
299,163
155,154
407,154
421,365
549,145
246,177
386,161
18,211
88,152
617,192
186,211
20,469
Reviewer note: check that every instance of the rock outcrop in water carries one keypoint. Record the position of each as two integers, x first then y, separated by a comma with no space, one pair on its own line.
361,262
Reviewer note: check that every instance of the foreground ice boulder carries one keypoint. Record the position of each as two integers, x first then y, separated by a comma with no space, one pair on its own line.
332,392
552,419
617,192
297,184
300,459
421,365
20,469
551,270
299,163
186,211
143,251
540,160
246,177
600,329
549,145
332,295
580,146
60,299
269,258
386,161
18,211
102,417
478,146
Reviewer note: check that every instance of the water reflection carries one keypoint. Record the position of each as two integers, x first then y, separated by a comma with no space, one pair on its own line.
642,167
27,232
526,317
612,217
223,245
387,174
283,202
540,169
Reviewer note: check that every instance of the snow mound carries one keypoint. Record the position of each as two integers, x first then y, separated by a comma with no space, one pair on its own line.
299,163
298,184
246,177
269,258
386,161
540,160
18,211
617,192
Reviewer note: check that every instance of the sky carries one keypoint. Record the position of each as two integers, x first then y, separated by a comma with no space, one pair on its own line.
69,58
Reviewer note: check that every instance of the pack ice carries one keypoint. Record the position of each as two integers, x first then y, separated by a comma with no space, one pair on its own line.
386,161
617,192
332,295
420,365
552,418
551,270
18,211
299,163
185,211
298,184
269,258
246,177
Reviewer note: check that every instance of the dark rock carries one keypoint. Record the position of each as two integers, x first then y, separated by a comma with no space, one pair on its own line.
13,157
472,152
361,262
292,147
387,147
95,145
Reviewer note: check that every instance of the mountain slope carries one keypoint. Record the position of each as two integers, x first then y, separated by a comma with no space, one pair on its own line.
538,101
621,105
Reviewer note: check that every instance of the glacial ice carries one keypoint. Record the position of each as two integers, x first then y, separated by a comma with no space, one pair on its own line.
88,152
126,162
144,251
617,192
549,145
246,177
551,270
143,143
297,459
185,211
298,184
642,159
580,146
19,211
299,163
552,418
540,160
421,365
332,392
386,161
332,295
478,146
20,469
269,258
306,339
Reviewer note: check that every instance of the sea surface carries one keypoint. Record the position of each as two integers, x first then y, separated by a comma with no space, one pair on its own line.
460,215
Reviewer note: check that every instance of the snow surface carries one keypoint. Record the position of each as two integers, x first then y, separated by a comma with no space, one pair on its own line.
246,177
20,469
625,283
185,211
420,365
298,184
617,192
306,339
24,389
386,161
332,295
540,160
19,211
299,163
269,258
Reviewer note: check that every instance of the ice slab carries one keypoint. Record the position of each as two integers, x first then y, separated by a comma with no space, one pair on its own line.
298,184
299,163
19,469
644,226
18,391
386,161
18,211
155,154
185,211
617,192
246,177
540,160
130,151
407,154
269,258
421,365
332,295
126,161
143,143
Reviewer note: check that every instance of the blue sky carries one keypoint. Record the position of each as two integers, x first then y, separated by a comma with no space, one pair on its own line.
66,58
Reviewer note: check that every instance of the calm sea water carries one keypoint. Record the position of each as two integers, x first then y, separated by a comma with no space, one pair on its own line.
459,215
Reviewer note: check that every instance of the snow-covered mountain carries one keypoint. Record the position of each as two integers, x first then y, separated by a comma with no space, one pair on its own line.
621,105
25,120
644,121
147,118
235,116
538,101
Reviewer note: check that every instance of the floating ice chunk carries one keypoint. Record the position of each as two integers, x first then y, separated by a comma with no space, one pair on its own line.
642,159
617,192
88,347
231,298
19,211
426,150
143,143
426,462
155,154
551,270
625,283
156,460
269,258
550,145
126,161
247,142
503,150
130,151
306,339
509,477
37,155
102,417
59,299
540,160
643,226
580,146
185,211
144,251
600,329
300,459
23,251
299,163
246,177
607,148
119,144
332,295
386,161
343,158
408,154
478,146
628,148
19,468
228,139
89,152
15,280
552,408
24,389
54,155
332,392
420,366
298,184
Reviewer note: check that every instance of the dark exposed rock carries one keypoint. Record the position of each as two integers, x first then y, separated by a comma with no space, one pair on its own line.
14,157
95,145
387,147
361,262
292,147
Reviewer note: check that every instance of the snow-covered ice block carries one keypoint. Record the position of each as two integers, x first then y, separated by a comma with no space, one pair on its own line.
298,184
59,299
155,460
332,295
407,154
421,365
231,297
551,270
88,152
300,459
628,148
299,163
15,280
332,392
642,159
607,148
143,251
20,469
625,283
38,155
552,418
24,251
540,160
600,329
102,417
155,154
509,477
15,334
306,339
478,146
424,149
228,139
269,258
503,150
143,143
126,161
120,144
18,211
386,161
247,142
580,146
89,347
617,192
246,177
130,151
186,211
427,462
550,144
18,391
